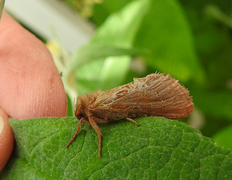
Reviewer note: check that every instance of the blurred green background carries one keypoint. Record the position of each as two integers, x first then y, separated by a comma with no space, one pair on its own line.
190,40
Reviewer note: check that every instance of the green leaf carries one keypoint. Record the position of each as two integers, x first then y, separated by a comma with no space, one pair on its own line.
157,149
1,7
103,10
118,32
223,137
102,50
104,62
214,103
166,32
121,27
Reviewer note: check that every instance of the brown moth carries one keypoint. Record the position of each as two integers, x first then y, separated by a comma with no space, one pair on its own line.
153,95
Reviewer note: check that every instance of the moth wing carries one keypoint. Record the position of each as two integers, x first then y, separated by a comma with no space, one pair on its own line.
153,95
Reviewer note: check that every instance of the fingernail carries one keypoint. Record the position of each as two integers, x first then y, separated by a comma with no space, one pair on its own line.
3,117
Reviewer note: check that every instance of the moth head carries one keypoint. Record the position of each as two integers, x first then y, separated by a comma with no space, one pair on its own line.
83,105
80,108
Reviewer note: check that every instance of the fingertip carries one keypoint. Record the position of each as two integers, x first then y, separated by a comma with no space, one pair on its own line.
6,139
31,86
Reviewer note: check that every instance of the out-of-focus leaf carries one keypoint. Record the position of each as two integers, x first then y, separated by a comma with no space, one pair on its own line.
223,137
118,30
112,39
167,34
214,103
96,51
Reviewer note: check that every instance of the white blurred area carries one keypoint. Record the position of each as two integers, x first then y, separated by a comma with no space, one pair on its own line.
52,20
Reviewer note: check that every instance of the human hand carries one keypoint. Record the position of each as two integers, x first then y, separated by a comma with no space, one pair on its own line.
30,85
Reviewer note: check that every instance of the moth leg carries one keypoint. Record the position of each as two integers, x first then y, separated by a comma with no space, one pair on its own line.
78,129
132,120
96,128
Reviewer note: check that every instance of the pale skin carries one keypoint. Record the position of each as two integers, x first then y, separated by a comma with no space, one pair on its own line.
30,85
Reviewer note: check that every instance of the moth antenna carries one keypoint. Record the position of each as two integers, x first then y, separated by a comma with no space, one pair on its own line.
75,135
73,104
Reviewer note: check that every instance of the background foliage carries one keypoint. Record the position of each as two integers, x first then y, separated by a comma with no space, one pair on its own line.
190,40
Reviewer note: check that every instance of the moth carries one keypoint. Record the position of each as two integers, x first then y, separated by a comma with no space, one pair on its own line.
153,95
